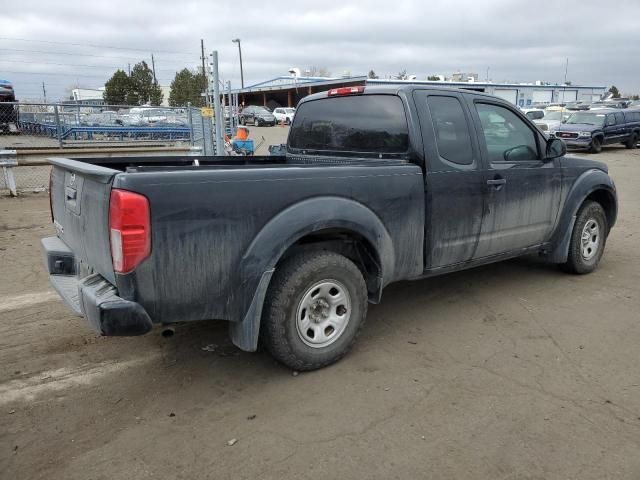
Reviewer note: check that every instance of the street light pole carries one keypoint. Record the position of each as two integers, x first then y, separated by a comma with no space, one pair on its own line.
237,40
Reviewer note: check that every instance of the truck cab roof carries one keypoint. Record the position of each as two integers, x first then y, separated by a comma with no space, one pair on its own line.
397,89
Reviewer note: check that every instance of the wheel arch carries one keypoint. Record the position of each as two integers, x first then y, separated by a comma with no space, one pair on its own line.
333,223
593,185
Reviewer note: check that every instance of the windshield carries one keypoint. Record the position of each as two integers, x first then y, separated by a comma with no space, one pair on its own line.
290,110
261,110
587,118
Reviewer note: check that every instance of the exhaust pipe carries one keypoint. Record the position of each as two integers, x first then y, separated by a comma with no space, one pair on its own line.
168,332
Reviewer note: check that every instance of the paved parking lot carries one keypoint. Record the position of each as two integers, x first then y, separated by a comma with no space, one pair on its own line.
511,371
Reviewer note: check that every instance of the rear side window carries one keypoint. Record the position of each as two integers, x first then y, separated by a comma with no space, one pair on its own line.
535,114
451,129
362,124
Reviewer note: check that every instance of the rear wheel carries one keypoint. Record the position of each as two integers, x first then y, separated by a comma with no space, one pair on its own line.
314,310
633,141
587,239
596,145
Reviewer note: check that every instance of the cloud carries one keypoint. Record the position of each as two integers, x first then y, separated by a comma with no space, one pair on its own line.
515,40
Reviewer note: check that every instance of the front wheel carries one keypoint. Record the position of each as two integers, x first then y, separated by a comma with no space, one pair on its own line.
314,310
596,145
587,239
632,142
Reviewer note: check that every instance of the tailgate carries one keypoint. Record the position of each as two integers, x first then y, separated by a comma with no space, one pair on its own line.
80,205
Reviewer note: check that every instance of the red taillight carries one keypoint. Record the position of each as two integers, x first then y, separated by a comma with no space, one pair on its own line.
129,229
334,92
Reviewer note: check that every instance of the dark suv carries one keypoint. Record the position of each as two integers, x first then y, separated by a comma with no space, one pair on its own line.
257,116
594,128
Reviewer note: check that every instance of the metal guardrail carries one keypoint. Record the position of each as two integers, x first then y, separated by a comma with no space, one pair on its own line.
8,161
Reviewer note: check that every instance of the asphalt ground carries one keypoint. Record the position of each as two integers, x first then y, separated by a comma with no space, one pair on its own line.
510,371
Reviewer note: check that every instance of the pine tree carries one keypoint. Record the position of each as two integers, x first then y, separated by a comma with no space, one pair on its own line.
117,88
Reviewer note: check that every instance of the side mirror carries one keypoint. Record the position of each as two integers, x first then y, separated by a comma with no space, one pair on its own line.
555,148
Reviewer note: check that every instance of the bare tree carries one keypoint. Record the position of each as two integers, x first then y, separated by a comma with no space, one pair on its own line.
315,71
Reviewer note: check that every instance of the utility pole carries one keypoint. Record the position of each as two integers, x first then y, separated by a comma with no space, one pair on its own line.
129,68
153,68
214,88
44,92
204,72
202,57
237,40
564,85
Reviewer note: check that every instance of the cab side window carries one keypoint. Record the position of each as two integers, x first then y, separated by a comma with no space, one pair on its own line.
619,118
452,132
507,136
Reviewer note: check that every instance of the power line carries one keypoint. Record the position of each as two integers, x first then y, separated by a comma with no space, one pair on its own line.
93,46
52,73
120,67
73,54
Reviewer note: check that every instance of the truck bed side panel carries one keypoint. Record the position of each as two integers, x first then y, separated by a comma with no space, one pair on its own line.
203,223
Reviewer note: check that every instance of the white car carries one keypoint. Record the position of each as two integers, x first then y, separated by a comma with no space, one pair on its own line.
285,115
533,113
552,120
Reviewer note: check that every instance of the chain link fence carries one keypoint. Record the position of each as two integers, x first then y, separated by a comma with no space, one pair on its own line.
66,125
40,130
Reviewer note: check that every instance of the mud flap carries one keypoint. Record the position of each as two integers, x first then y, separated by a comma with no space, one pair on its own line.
561,251
244,334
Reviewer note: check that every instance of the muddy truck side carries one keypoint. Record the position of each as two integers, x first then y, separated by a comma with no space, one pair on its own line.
378,184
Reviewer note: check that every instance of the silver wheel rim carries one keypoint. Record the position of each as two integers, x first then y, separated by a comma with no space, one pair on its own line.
590,239
323,313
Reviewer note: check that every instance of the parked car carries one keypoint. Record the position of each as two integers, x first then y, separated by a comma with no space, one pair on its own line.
257,116
577,106
8,111
552,120
619,103
284,115
378,184
533,113
592,129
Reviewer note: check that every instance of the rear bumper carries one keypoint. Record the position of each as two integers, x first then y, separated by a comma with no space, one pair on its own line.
92,297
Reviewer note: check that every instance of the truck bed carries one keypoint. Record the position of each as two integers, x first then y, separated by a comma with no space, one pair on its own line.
218,227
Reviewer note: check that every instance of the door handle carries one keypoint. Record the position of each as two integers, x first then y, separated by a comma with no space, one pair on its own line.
70,193
497,182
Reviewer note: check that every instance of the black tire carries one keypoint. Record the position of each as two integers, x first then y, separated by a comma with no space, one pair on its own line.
241,120
292,282
256,122
632,142
596,145
580,261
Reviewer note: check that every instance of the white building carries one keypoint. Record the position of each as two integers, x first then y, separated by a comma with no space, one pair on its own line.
521,94
91,96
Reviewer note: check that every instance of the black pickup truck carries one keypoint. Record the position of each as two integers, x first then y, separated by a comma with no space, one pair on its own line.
378,185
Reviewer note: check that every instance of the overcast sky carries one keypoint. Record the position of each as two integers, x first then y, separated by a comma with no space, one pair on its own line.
520,41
